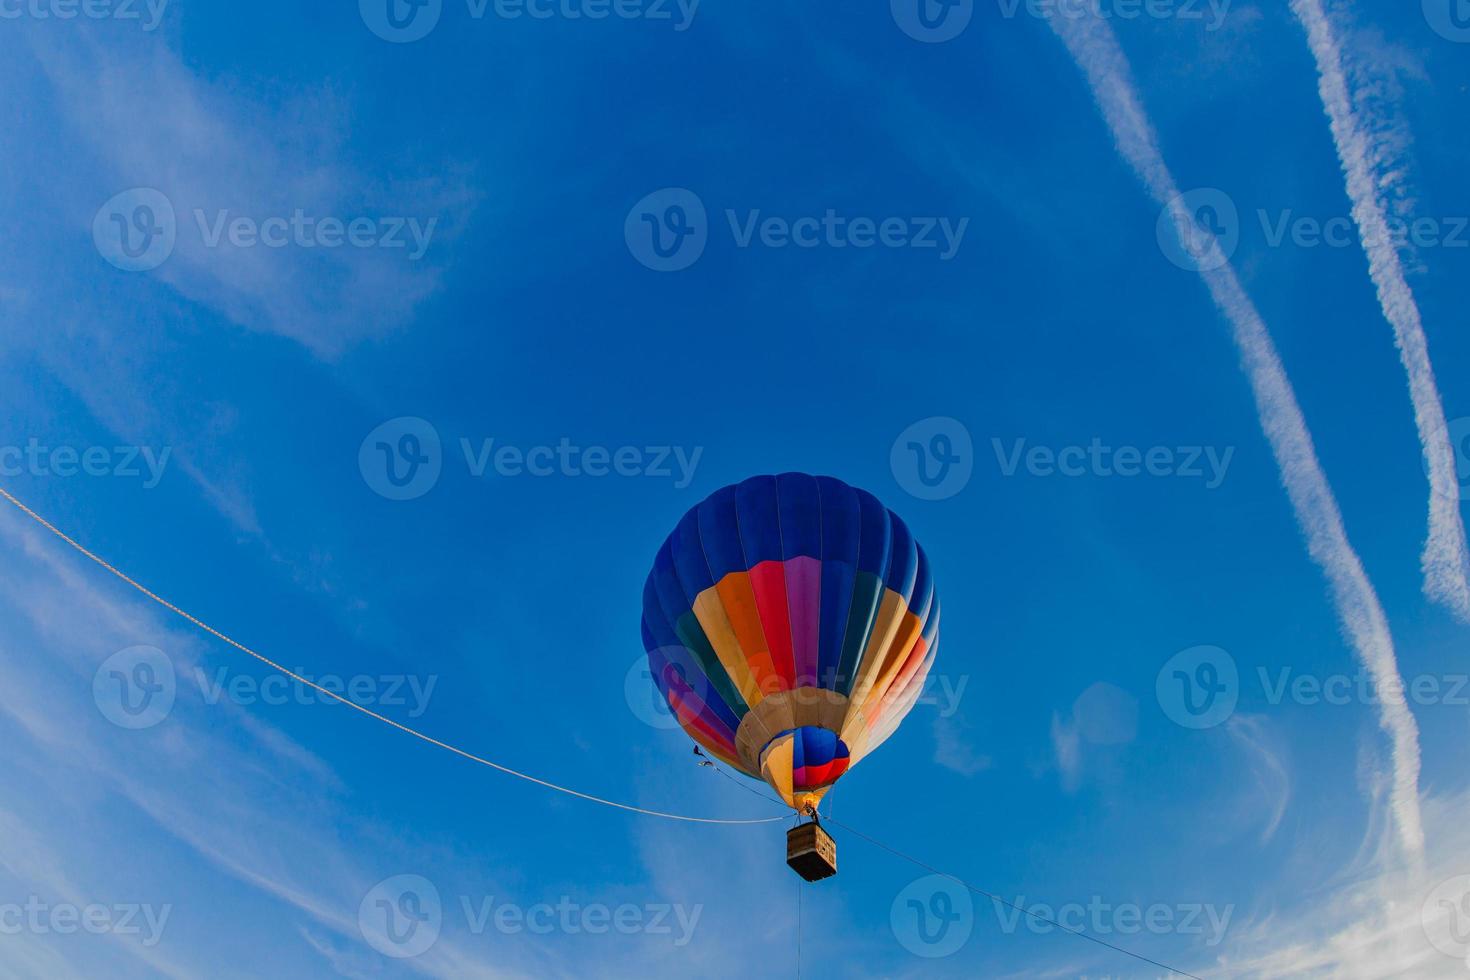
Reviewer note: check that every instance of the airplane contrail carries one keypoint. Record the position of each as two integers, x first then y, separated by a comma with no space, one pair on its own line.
1446,562
1095,48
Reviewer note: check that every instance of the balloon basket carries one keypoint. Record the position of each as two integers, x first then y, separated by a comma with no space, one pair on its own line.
811,852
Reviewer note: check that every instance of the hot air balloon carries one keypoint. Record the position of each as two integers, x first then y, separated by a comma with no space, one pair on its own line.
790,623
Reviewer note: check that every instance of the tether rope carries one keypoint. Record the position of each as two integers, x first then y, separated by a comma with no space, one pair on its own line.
550,785
352,704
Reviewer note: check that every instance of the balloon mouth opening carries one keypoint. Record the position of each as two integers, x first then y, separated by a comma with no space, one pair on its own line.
819,757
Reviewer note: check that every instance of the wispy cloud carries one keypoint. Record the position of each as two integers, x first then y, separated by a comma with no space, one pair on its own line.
1377,919
221,790
1273,782
1066,744
30,859
1368,165
955,750
220,155
1104,715
1095,48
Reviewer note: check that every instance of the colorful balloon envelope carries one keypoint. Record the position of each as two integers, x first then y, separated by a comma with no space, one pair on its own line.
790,623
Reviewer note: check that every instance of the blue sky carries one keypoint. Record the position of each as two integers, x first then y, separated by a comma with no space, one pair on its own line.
500,284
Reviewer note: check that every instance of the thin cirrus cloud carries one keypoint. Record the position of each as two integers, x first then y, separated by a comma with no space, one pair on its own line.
218,154
1273,781
1375,919
30,860
212,791
1095,48
216,791
1369,175
954,748
1066,744
1103,715
130,113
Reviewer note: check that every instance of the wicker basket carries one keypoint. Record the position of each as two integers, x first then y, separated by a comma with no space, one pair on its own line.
811,852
